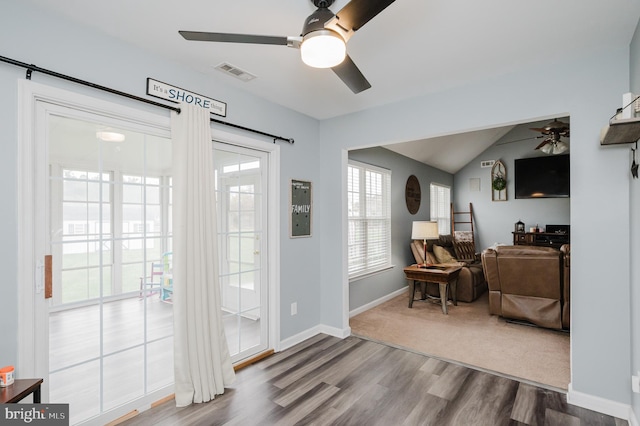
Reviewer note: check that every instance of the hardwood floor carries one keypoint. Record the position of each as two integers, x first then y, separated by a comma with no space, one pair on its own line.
352,381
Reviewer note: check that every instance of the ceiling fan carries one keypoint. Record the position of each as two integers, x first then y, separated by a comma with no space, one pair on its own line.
323,40
554,131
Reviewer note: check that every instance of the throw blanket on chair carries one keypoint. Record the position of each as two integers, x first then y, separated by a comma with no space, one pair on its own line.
464,245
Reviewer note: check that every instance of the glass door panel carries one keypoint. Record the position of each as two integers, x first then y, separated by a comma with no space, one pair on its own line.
110,332
240,191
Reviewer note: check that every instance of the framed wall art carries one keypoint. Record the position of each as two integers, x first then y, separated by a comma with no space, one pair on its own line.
498,182
301,203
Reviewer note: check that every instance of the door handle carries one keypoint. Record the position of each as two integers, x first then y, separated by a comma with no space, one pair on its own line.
48,277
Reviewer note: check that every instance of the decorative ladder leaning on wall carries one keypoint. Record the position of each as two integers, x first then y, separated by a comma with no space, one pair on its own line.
463,240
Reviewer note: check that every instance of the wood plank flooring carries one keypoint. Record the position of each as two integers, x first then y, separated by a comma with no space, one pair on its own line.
329,381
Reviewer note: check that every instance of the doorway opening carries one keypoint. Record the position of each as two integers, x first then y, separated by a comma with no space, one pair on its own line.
495,221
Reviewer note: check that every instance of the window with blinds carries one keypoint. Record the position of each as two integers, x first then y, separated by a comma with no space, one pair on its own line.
369,215
441,207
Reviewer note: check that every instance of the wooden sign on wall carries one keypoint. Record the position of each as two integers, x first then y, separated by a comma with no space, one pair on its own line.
412,194
176,94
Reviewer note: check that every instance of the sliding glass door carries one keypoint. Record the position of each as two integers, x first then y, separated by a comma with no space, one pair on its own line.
95,202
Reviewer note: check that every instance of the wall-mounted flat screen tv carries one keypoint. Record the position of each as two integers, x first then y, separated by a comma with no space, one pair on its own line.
542,177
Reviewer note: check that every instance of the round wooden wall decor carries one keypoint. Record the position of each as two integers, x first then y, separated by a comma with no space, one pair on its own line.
412,194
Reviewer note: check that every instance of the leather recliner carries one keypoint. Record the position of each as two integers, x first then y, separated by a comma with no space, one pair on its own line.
529,283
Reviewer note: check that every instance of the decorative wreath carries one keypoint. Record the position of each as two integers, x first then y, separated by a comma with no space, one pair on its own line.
499,183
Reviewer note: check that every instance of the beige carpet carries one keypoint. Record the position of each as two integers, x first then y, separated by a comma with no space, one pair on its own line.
470,335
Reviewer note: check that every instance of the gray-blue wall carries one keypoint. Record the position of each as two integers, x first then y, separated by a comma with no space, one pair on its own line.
371,288
587,88
635,232
494,220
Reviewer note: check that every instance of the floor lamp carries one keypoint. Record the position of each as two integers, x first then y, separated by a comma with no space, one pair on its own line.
425,230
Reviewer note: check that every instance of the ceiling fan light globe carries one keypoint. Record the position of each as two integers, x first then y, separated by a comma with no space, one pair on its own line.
323,49
547,148
560,147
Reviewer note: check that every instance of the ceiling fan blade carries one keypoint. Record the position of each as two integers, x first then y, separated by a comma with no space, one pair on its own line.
351,75
540,129
556,126
355,14
234,38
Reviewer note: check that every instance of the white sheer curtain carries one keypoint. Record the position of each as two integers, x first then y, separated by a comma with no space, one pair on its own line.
202,363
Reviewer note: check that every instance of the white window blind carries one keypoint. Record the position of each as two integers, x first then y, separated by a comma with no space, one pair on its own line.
441,207
369,215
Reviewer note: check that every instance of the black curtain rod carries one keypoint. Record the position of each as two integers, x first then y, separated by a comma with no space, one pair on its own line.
30,68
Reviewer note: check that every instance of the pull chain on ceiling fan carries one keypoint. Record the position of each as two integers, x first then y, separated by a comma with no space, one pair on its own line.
323,39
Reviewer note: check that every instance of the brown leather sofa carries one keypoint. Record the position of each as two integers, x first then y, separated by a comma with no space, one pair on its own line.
471,281
529,283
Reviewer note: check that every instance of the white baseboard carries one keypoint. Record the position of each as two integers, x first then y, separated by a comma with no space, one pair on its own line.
633,420
309,333
334,331
601,405
298,338
376,302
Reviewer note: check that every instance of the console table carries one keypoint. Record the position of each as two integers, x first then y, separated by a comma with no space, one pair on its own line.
545,239
19,390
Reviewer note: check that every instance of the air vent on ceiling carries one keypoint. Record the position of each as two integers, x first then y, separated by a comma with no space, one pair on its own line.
235,72
487,163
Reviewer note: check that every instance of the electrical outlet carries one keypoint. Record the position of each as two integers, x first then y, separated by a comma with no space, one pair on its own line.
635,383
294,308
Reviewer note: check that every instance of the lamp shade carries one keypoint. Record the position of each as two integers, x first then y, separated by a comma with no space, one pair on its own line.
424,230
323,49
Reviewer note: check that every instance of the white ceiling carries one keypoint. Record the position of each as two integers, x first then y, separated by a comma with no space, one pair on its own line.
413,48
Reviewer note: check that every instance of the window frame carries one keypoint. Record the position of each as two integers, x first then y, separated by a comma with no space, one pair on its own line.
363,218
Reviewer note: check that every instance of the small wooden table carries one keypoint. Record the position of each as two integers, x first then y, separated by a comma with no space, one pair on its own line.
19,390
446,276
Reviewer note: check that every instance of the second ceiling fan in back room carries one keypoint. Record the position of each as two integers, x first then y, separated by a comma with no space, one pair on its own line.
552,132
323,39
553,143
